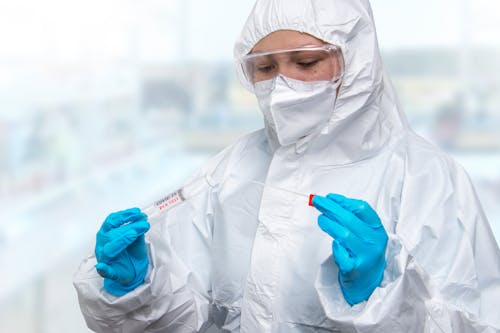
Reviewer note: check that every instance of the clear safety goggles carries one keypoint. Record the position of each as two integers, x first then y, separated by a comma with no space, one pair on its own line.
308,63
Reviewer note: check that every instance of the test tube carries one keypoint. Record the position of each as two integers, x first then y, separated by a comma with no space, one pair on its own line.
197,185
309,196
175,198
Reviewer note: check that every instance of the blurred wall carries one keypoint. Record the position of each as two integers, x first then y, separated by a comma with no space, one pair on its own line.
109,104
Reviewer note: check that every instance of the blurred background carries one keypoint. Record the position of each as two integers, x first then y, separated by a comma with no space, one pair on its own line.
108,104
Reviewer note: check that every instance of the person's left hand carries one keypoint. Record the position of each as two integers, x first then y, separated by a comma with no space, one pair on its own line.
359,244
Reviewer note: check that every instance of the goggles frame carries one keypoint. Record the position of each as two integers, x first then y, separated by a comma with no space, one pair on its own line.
248,82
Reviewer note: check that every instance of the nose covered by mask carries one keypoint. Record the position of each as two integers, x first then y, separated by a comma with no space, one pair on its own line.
295,109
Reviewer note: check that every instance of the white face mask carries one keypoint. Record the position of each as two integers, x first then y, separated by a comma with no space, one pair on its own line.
295,109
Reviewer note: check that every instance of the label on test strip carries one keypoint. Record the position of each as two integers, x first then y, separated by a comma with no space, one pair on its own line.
170,200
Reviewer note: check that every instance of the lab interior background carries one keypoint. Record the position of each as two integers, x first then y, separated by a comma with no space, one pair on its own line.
108,104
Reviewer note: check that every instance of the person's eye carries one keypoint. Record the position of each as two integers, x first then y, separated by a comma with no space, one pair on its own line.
307,63
265,68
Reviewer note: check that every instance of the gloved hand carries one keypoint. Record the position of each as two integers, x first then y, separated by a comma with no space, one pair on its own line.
121,253
359,244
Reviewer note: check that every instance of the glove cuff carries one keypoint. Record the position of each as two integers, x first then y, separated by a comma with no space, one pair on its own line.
363,289
119,289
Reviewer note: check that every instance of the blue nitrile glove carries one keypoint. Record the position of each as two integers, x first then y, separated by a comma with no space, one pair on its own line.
122,258
359,244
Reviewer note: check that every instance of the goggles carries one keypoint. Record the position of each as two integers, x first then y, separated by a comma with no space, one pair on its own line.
308,63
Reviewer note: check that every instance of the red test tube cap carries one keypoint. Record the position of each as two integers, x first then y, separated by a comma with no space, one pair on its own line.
311,197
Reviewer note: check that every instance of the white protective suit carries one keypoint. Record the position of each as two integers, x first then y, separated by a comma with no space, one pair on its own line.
253,259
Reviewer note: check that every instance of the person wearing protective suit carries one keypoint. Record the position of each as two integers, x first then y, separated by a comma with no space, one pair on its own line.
396,241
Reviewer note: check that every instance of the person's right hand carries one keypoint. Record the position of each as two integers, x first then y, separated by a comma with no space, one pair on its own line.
122,258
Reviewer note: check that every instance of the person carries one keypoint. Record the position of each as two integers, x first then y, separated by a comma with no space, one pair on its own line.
396,241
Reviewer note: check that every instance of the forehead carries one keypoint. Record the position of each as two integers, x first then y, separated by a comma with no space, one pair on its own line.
285,39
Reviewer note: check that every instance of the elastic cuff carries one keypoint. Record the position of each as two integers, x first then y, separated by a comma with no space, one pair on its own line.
118,289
